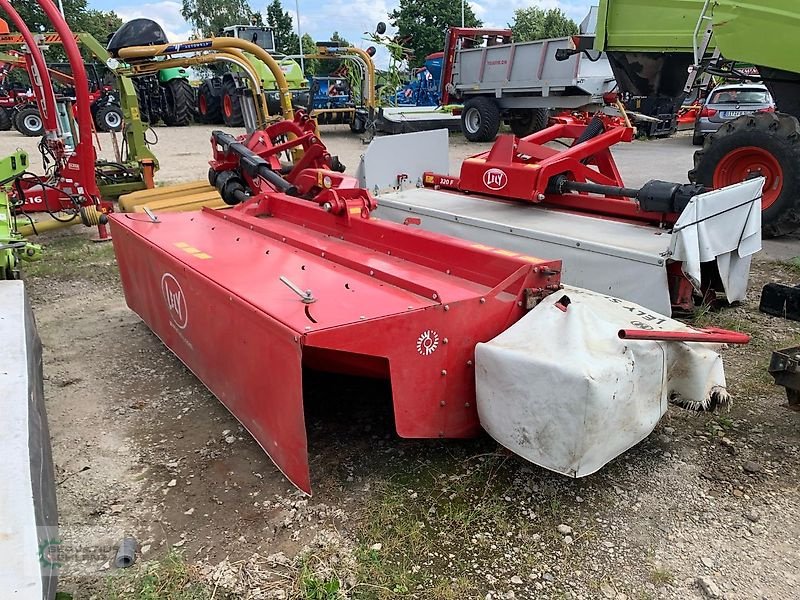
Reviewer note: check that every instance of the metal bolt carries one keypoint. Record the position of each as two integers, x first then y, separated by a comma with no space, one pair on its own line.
327,206
469,363
467,405
447,307
445,340
541,197
323,255
435,296
442,403
372,272
483,300
519,302
444,372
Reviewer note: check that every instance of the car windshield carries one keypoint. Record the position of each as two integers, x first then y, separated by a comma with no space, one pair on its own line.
740,96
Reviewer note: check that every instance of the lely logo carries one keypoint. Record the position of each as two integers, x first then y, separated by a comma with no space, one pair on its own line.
175,299
495,179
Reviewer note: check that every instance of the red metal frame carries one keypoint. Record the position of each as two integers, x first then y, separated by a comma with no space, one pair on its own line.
454,34
75,171
522,169
35,64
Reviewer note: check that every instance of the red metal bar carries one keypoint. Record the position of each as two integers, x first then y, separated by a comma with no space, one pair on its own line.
84,155
45,98
708,335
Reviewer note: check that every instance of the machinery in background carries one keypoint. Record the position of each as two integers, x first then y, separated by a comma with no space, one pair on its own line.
347,96
166,96
219,97
423,89
702,38
498,80
24,112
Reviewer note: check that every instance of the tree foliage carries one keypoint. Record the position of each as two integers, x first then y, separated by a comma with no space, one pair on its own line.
422,24
534,23
286,40
79,16
209,16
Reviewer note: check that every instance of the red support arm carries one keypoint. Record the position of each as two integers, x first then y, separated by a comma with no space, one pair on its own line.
44,98
708,335
84,150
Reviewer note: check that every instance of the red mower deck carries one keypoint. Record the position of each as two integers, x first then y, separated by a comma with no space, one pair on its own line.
372,298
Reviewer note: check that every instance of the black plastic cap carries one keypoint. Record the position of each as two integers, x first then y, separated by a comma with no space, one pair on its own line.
138,32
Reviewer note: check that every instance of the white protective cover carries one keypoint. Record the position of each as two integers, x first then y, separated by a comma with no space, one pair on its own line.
562,390
722,225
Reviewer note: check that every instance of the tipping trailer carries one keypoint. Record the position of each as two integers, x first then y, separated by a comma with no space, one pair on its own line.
652,45
498,80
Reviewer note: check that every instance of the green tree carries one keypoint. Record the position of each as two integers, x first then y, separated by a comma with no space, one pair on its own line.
286,40
422,24
534,23
209,16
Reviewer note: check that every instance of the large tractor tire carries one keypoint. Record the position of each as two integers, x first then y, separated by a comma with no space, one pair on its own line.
109,118
480,119
29,122
761,144
528,121
231,104
209,104
180,102
5,120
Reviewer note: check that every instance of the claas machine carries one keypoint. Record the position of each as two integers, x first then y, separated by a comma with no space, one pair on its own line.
653,44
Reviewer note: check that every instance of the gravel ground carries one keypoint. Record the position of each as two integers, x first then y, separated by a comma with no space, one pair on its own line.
707,507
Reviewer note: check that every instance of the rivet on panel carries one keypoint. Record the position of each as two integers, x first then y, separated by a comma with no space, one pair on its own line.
444,372
445,340
483,300
447,307
442,403
469,363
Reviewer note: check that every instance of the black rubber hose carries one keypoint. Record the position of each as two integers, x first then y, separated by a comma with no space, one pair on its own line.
126,554
593,129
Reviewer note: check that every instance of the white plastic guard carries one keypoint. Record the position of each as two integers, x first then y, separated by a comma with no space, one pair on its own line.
562,390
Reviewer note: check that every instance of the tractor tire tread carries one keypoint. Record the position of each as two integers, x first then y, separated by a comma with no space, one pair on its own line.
489,119
781,132
213,115
180,90
19,121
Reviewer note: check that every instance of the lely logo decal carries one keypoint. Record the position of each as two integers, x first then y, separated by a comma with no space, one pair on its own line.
175,300
495,179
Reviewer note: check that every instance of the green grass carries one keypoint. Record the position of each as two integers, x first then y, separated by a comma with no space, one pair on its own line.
72,255
661,576
167,579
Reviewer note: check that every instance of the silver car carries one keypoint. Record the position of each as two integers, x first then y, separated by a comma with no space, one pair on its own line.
728,102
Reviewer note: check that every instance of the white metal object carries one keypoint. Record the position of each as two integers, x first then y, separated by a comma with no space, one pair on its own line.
527,75
421,151
608,256
562,390
28,519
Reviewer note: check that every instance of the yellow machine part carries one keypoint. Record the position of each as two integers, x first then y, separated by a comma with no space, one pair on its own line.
173,198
